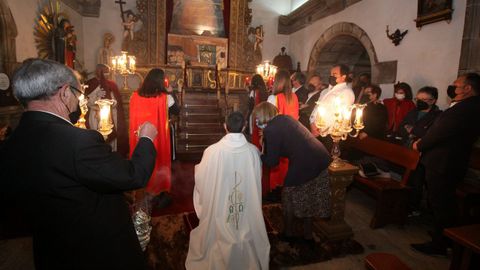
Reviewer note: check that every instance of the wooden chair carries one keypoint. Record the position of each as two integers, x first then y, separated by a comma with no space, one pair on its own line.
391,195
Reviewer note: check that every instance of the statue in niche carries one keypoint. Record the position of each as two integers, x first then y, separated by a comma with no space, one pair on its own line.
258,45
283,60
131,24
106,52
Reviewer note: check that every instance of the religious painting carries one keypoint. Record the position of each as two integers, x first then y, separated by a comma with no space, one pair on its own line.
430,11
197,50
207,55
175,55
196,78
198,17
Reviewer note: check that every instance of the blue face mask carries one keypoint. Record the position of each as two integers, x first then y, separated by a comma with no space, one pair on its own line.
260,126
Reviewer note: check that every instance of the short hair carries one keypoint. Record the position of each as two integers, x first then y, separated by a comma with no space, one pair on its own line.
432,91
264,112
102,66
38,79
375,89
344,69
365,74
299,77
406,88
472,79
153,84
235,122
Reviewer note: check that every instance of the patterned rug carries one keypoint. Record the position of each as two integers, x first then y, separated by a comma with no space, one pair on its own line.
170,235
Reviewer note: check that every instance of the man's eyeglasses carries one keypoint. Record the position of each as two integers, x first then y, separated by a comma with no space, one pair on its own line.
73,88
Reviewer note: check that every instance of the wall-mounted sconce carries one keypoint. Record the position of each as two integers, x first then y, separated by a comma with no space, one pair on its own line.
396,36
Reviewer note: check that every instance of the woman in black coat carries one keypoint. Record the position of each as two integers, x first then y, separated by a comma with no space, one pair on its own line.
306,191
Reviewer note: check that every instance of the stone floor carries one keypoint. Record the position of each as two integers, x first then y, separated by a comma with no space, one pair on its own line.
17,254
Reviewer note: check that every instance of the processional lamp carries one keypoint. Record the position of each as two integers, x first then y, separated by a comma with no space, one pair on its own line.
336,121
267,71
105,125
82,101
124,65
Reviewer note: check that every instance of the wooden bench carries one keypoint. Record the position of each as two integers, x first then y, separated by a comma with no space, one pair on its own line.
391,195
466,247
468,195
384,261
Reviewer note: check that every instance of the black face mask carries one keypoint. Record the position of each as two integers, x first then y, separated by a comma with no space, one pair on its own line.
422,105
365,99
311,88
75,115
332,80
451,91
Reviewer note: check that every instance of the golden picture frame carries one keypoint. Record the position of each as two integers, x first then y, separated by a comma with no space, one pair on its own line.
430,11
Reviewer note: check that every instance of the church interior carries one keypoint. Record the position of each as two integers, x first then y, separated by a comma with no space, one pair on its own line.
209,52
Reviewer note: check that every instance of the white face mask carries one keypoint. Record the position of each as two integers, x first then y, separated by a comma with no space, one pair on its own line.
399,96
260,126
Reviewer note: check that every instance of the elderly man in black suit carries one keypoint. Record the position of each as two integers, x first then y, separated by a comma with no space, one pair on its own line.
298,86
314,88
446,149
66,181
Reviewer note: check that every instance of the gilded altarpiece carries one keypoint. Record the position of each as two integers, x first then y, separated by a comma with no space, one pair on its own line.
149,44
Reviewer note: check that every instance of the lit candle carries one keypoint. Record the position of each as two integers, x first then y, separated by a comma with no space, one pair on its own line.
132,63
321,117
104,116
358,116
347,114
247,80
166,83
114,63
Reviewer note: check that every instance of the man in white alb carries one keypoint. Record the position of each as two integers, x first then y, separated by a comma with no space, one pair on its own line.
228,202
339,92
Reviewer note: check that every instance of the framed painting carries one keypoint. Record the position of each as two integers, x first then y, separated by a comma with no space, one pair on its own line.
430,11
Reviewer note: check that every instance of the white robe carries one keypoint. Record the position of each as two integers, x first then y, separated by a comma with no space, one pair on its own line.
228,201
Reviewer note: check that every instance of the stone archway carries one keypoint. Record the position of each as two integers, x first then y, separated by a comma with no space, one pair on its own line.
356,46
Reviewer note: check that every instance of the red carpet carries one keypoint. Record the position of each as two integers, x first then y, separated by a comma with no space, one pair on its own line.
182,189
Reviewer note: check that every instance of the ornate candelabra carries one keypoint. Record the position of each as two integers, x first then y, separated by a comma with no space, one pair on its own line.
124,65
105,125
83,102
267,71
338,124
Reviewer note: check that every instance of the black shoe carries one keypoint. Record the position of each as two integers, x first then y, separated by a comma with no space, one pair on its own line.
162,200
289,239
430,249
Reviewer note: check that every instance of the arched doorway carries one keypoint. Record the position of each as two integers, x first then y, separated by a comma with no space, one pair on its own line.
343,43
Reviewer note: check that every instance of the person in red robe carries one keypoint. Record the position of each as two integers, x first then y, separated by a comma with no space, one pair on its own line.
100,87
151,102
398,107
258,94
287,103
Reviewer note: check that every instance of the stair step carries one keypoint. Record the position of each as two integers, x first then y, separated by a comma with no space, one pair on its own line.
200,101
198,135
202,118
199,140
201,109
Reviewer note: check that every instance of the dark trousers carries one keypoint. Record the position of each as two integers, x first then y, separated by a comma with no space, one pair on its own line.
416,182
442,200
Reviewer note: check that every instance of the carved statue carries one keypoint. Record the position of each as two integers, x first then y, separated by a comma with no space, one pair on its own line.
258,45
106,51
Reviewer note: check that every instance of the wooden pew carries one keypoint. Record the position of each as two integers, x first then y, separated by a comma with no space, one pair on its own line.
468,195
391,195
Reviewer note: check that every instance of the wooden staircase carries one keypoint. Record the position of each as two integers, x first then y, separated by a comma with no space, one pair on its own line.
200,124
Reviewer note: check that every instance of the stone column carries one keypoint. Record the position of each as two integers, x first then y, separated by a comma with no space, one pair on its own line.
336,229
